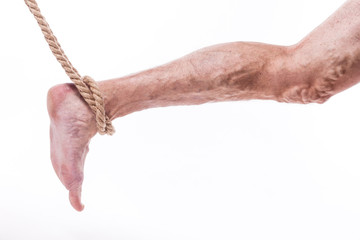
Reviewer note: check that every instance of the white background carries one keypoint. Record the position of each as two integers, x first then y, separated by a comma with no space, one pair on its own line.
235,170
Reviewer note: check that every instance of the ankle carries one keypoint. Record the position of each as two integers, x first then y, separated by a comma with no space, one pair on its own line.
120,97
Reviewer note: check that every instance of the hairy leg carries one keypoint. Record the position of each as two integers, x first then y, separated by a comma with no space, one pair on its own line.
233,71
326,62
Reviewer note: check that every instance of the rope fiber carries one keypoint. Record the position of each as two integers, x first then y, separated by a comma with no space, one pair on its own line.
86,86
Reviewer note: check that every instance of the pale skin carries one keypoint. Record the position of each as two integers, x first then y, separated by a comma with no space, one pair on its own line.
324,63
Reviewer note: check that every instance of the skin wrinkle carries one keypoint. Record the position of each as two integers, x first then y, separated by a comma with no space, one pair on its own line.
323,86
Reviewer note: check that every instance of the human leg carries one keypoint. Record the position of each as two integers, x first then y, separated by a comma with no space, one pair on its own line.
234,71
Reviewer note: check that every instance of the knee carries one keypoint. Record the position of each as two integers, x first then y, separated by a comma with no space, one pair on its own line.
313,80
317,91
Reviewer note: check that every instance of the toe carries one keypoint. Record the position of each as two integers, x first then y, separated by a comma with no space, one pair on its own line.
75,199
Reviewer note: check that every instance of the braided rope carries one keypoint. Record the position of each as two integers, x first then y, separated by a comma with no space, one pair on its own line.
86,86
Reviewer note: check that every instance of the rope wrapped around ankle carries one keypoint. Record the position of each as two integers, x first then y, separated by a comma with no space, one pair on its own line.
86,86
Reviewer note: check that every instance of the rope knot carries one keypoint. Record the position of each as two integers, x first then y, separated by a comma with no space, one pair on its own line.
92,95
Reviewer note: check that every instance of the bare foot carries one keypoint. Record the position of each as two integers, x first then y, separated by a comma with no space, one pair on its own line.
72,125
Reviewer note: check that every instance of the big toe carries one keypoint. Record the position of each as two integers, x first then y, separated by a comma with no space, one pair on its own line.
75,199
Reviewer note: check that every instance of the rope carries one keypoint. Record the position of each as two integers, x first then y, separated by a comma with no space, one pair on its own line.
86,86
